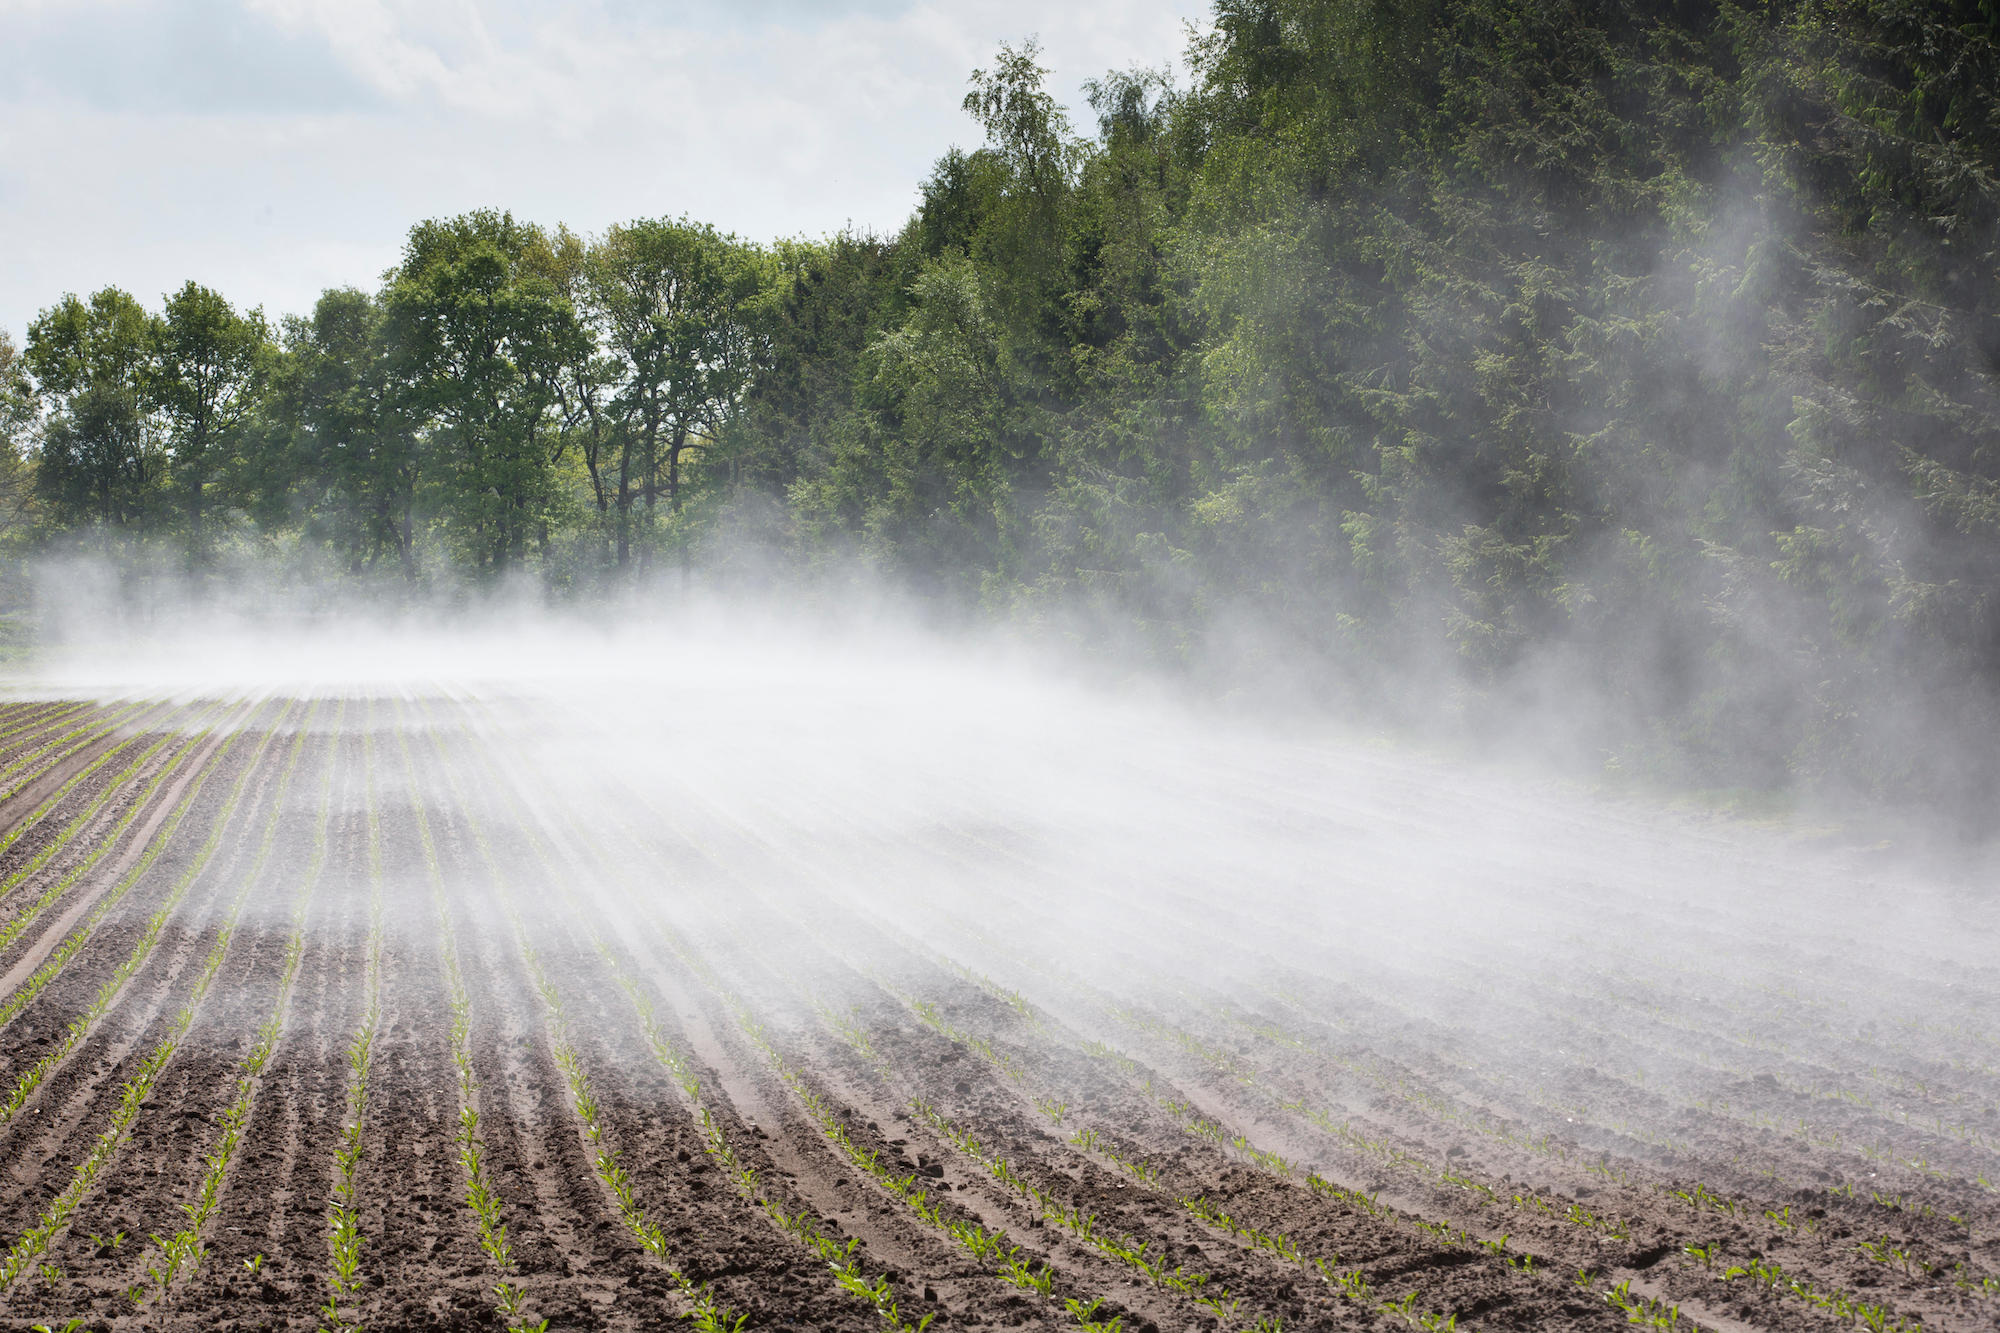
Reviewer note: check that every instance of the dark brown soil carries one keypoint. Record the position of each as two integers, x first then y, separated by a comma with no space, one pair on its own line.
1380,1138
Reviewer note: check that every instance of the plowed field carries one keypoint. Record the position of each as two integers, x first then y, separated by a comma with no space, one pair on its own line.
396,1014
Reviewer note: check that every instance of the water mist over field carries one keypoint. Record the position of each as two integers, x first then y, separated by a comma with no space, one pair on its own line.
969,795
1163,748
908,894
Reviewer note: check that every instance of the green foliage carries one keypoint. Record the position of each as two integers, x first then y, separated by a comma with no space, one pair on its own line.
205,381
99,463
339,452
670,300
18,442
479,334
1646,357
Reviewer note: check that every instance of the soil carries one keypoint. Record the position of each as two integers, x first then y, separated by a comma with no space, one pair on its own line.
672,1000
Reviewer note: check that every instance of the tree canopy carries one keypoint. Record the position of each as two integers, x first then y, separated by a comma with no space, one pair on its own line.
1430,353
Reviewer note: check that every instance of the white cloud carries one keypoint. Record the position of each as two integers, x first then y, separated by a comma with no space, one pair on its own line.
271,148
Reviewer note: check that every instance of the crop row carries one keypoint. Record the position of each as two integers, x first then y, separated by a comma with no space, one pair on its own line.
1555,995
1780,1219
1188,1120
708,1314
40,720
182,1251
186,1248
58,958
56,1217
1842,1304
1585,1221
108,992
844,1262
1115,1247
1360,948
1563,1213
45,753
1431,1105
49,753
1137,1254
797,1222
1347,1282
102,843
345,1240
1177,1109
481,1197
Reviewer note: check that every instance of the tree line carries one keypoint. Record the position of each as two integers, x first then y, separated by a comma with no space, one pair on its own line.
507,389
1450,356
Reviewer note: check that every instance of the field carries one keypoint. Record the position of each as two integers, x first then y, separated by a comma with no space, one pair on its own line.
396,1013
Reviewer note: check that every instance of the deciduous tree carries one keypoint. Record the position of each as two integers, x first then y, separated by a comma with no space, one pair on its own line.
671,300
204,380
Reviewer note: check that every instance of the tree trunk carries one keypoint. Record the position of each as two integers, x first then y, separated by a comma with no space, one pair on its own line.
624,501
195,552
674,496
652,492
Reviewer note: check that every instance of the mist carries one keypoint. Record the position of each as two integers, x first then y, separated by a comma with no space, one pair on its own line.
992,800
1353,685
968,866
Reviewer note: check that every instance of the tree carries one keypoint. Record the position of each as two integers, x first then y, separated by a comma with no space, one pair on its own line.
75,344
20,420
588,374
101,462
480,335
207,362
98,468
339,454
824,305
1023,181
922,472
672,302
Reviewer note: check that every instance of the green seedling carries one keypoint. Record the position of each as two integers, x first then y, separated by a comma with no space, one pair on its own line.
1017,1272
1757,1270
709,1319
1886,1251
1642,1310
1222,1305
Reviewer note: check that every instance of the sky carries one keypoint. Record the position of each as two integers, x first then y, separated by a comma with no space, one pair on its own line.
273,148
